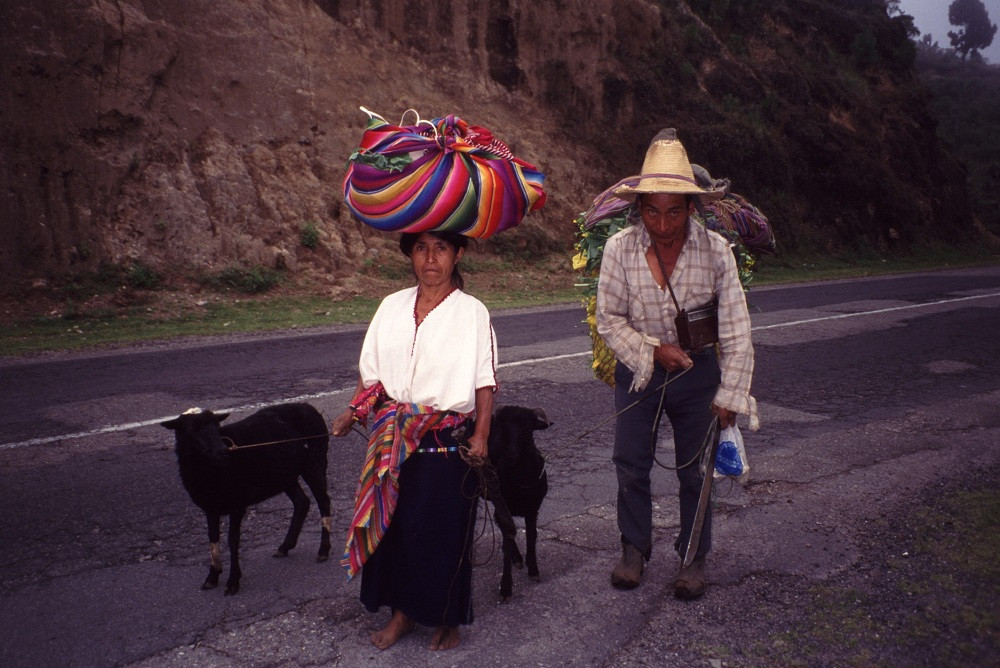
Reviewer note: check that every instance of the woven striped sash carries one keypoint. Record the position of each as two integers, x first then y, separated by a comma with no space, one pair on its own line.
395,434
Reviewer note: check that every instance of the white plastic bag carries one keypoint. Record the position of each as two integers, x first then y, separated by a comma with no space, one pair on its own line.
731,457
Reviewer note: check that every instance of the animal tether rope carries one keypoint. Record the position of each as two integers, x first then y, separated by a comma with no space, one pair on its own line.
233,445
660,388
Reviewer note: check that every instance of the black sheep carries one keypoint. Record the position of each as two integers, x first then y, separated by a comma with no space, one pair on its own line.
224,475
520,469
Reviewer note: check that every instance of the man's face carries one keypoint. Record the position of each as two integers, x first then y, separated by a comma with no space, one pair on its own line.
665,216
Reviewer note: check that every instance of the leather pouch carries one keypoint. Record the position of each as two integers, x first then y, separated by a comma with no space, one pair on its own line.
699,327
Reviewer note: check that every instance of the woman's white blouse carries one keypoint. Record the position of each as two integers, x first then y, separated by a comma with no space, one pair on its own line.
442,362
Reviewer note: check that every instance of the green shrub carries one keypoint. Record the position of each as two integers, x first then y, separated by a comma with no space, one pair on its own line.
737,43
393,271
249,281
864,49
309,236
731,104
693,39
142,277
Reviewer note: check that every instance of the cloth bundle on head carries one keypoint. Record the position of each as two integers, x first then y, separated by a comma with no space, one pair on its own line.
440,175
735,214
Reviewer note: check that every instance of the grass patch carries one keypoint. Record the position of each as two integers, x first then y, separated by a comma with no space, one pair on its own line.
102,327
944,584
495,279
859,264
251,281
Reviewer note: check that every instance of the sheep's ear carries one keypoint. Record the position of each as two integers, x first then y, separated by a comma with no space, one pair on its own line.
543,419
170,424
220,416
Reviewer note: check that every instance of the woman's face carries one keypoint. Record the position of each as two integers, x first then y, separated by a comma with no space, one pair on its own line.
433,260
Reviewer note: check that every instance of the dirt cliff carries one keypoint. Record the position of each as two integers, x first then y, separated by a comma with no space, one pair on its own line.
190,136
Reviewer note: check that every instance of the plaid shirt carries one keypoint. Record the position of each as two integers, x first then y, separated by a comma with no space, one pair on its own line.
634,315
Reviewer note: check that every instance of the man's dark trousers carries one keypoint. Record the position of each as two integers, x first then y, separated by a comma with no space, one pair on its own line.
688,407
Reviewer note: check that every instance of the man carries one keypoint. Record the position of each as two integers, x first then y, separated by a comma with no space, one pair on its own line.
635,317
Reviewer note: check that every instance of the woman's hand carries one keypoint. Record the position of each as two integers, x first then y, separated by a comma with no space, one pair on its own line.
479,441
341,424
478,446
671,357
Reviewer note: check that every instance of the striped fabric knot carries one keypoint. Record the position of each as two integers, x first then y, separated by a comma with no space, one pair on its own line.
397,428
440,175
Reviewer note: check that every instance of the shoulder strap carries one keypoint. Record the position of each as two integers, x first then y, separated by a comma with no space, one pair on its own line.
663,271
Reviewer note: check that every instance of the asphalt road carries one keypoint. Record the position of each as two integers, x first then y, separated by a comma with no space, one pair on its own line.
872,392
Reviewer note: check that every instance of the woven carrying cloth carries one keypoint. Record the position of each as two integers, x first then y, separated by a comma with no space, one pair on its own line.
396,431
440,175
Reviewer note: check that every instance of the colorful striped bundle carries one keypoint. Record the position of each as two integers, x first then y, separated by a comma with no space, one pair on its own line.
440,175
395,434
734,213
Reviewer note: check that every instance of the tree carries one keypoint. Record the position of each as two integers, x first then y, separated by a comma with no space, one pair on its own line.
976,32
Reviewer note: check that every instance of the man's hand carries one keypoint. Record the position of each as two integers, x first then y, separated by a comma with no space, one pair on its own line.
727,418
671,357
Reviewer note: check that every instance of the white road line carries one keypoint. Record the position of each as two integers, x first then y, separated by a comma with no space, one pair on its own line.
536,360
875,312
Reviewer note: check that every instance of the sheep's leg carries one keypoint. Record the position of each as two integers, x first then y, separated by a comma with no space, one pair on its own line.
531,538
235,523
506,580
508,533
215,553
300,505
317,485
511,554
326,522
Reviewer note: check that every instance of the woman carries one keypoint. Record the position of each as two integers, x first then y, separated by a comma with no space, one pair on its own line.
428,364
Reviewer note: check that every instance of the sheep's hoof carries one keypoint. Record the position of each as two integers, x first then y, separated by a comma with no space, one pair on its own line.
280,553
505,599
322,557
535,578
232,588
212,581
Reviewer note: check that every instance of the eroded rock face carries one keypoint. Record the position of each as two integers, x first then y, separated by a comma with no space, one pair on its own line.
193,135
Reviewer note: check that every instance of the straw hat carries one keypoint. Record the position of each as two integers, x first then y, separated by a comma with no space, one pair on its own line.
666,169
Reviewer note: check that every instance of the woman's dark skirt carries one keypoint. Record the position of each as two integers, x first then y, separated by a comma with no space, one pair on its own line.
423,565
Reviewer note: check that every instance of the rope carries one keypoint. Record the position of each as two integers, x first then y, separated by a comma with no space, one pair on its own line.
476,465
233,446
656,426
662,388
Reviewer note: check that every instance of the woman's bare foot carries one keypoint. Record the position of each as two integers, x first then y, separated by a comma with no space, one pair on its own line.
399,625
446,637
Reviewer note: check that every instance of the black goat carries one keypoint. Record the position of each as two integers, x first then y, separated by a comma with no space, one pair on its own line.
224,475
523,483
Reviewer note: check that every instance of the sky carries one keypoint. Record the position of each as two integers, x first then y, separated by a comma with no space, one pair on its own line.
931,16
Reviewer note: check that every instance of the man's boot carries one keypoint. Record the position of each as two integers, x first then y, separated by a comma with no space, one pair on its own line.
628,571
690,582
